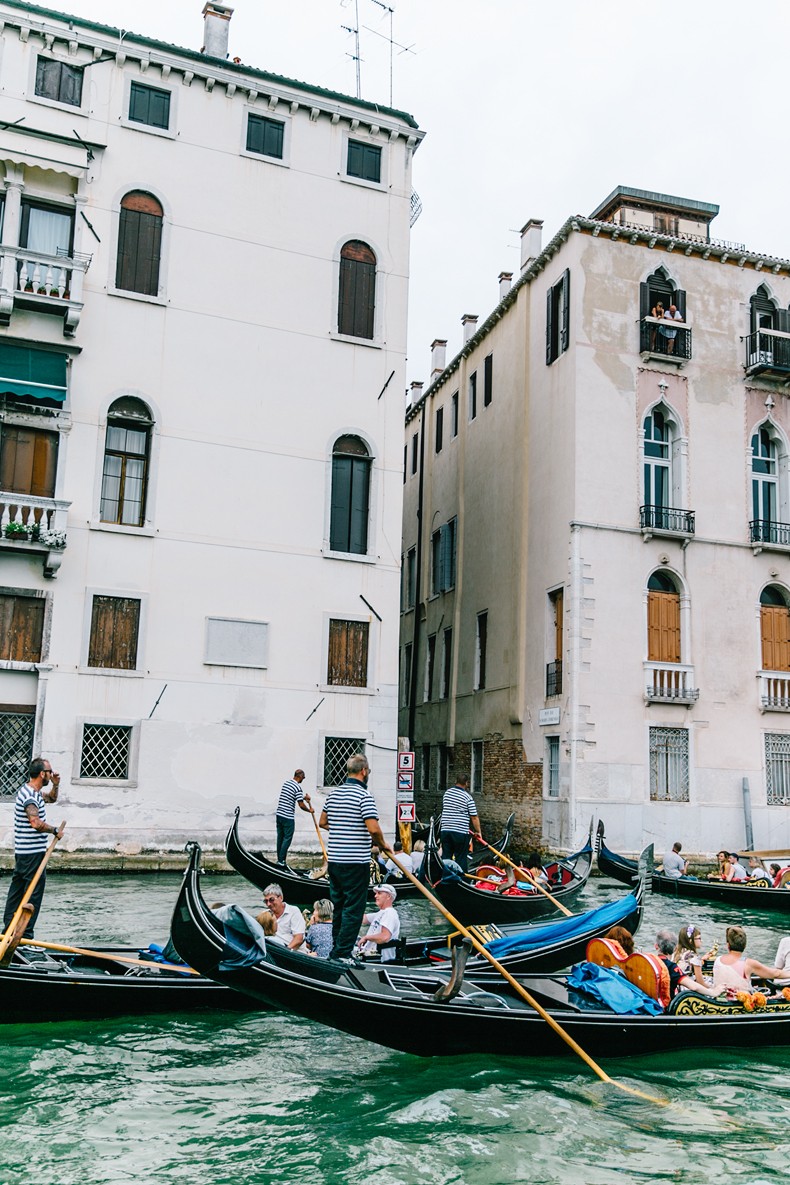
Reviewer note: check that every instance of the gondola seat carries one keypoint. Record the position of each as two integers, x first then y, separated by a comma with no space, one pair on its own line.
647,972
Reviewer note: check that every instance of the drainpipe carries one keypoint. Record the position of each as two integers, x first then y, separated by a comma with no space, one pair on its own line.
747,814
575,653
415,640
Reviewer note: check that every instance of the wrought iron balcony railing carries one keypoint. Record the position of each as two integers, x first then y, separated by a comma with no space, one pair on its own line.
666,518
670,683
768,352
763,530
669,339
553,679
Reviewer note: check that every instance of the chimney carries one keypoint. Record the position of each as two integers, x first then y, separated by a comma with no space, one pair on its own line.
505,280
416,393
216,26
469,322
438,357
531,236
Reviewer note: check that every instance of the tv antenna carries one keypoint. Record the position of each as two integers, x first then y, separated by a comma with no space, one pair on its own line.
390,11
355,55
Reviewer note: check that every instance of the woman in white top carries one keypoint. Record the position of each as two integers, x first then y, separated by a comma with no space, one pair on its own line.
734,970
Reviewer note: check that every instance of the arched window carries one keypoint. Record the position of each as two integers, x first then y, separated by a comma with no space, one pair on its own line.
775,629
350,504
663,618
139,244
769,487
125,472
658,295
662,473
357,297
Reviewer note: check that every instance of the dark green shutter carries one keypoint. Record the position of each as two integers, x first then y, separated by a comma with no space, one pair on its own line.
358,524
566,311
549,327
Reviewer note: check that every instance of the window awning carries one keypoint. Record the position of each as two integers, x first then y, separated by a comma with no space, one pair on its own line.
37,374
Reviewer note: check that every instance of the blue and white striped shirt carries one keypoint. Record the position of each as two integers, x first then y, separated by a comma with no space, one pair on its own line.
27,840
458,806
290,794
347,807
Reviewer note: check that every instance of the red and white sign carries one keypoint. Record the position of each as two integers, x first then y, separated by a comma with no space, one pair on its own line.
407,812
406,781
406,760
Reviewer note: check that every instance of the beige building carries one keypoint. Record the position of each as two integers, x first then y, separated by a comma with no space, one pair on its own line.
596,536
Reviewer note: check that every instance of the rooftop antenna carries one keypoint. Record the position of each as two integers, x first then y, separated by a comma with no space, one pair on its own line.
355,30
403,48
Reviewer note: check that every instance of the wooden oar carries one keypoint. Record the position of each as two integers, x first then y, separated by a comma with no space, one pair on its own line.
534,880
98,954
320,836
8,936
522,991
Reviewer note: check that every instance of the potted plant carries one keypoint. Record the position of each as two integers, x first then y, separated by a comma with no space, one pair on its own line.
15,531
56,539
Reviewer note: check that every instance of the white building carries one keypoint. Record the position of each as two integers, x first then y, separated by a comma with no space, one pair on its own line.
596,613
203,291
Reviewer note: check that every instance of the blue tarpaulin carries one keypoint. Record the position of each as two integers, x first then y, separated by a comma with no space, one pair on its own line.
612,989
245,944
608,915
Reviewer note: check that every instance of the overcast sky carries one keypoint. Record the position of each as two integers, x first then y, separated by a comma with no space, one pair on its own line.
534,109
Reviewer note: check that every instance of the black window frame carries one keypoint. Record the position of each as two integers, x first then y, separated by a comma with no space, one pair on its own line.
472,396
363,161
65,73
134,420
439,431
558,326
272,136
488,380
142,93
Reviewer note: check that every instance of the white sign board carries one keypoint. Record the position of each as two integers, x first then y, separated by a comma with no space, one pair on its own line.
549,716
406,781
406,760
407,812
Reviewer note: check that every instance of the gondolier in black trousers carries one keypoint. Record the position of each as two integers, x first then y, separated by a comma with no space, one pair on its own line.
352,819
32,834
459,816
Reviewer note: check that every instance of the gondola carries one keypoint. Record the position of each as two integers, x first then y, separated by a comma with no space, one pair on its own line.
740,895
298,887
397,1007
469,904
40,985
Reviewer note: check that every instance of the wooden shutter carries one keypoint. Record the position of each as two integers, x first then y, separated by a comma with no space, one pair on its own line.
139,244
566,310
680,301
663,627
549,326
357,293
28,460
644,301
359,508
775,637
21,628
488,380
558,611
115,623
347,659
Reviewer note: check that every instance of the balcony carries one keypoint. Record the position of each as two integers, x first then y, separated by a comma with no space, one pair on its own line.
768,354
774,691
553,679
666,341
670,683
34,525
769,535
666,520
46,283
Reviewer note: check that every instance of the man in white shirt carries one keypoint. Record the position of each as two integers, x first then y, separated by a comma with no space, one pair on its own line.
674,864
384,925
403,858
290,921
738,871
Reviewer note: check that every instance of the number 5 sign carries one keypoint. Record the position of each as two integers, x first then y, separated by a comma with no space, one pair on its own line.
406,760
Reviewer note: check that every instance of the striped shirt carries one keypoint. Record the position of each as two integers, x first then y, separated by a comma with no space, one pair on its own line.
458,806
290,794
26,839
347,807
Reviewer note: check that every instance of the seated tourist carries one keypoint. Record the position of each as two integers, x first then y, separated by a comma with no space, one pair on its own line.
674,864
268,923
417,856
722,872
383,926
624,938
777,872
318,937
403,858
756,870
734,970
534,866
678,979
290,922
737,870
782,962
687,955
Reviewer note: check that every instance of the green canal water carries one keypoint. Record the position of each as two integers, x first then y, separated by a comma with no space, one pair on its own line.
270,1099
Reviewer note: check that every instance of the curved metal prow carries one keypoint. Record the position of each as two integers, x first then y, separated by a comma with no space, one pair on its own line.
448,991
646,865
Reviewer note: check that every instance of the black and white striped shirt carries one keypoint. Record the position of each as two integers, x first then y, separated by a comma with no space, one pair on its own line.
290,794
347,807
458,806
27,840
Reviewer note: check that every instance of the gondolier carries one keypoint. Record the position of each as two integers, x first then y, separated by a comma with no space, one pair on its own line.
32,833
352,819
291,795
459,815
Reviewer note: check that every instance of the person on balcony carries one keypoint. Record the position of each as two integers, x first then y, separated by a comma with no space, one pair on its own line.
669,335
658,313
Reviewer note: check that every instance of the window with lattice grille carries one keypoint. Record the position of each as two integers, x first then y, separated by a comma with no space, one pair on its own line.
777,767
16,748
337,751
669,765
106,750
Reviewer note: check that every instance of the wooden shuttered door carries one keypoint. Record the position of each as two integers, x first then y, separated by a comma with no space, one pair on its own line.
357,297
775,637
115,624
28,460
347,663
139,244
663,627
21,628
348,523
